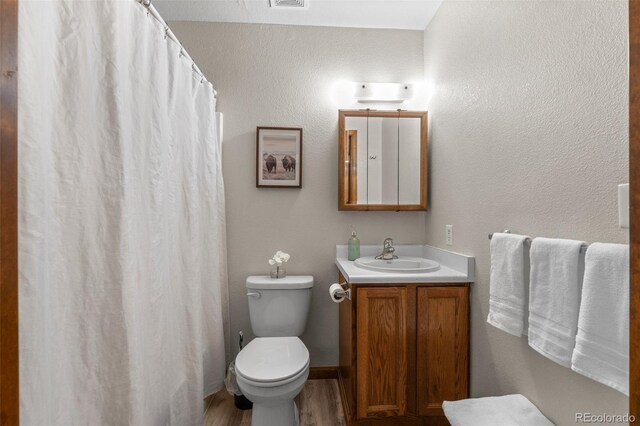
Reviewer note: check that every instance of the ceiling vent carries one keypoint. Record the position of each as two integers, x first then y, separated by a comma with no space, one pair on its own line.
289,4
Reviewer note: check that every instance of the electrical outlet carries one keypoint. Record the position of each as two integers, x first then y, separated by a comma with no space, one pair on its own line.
623,206
449,235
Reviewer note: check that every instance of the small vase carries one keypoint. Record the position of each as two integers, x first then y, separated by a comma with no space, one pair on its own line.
278,272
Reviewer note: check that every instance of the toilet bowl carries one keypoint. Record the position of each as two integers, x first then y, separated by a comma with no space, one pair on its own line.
273,368
271,371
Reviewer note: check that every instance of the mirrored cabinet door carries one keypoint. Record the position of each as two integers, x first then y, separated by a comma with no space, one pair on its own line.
383,162
409,160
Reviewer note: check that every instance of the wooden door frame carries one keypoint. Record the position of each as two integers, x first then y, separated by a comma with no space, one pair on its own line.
634,215
9,371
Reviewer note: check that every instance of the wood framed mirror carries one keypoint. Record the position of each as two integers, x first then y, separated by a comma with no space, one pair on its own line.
382,160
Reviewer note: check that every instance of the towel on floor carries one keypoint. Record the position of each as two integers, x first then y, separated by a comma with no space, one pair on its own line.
495,410
602,344
507,286
554,297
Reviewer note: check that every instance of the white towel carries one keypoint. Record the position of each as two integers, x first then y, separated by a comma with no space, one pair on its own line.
495,410
507,288
602,343
554,297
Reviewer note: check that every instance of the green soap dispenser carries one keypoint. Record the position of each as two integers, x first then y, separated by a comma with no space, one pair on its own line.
354,246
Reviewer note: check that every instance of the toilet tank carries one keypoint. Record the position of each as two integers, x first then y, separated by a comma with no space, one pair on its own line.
279,307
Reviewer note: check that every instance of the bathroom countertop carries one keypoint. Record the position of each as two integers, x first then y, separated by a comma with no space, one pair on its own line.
454,267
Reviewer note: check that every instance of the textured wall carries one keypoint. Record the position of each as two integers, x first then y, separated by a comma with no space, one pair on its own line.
528,132
269,75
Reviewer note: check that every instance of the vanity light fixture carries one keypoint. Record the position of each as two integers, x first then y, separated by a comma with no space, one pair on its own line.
383,92
289,4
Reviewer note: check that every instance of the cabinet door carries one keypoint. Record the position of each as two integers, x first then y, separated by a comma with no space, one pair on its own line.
381,351
443,347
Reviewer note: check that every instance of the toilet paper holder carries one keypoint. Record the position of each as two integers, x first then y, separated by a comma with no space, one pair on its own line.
344,293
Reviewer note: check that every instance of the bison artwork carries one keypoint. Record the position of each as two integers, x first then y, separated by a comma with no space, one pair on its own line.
271,163
289,163
278,158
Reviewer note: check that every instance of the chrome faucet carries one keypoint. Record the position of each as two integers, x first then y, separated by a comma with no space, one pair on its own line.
387,250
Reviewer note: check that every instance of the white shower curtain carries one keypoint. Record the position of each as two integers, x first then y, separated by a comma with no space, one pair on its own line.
122,226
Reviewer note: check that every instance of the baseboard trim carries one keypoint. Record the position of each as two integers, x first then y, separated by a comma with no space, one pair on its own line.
317,373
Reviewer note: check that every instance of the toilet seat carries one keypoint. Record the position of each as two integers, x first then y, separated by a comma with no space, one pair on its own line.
302,374
272,361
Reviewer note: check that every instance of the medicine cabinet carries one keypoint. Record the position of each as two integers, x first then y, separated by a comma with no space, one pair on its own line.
382,160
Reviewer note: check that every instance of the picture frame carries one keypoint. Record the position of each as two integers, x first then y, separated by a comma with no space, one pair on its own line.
279,157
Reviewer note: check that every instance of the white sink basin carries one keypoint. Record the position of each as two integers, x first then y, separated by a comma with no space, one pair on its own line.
411,265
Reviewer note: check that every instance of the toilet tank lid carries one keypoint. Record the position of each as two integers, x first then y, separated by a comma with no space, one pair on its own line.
290,282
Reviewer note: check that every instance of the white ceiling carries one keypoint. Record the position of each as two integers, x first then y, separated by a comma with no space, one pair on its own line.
399,14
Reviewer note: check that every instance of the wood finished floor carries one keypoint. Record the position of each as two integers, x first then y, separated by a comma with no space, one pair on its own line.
318,404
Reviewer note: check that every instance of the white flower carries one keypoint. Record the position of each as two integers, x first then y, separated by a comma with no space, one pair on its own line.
279,258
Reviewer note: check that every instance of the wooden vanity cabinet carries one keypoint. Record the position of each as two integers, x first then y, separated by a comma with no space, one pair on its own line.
403,350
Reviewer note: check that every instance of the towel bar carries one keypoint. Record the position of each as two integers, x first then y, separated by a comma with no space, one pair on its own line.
583,249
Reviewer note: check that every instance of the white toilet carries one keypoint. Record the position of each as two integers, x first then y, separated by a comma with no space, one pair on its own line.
273,368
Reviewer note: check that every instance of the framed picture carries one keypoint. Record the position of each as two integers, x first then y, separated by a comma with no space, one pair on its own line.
279,157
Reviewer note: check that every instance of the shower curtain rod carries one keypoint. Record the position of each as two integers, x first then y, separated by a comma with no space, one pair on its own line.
169,34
